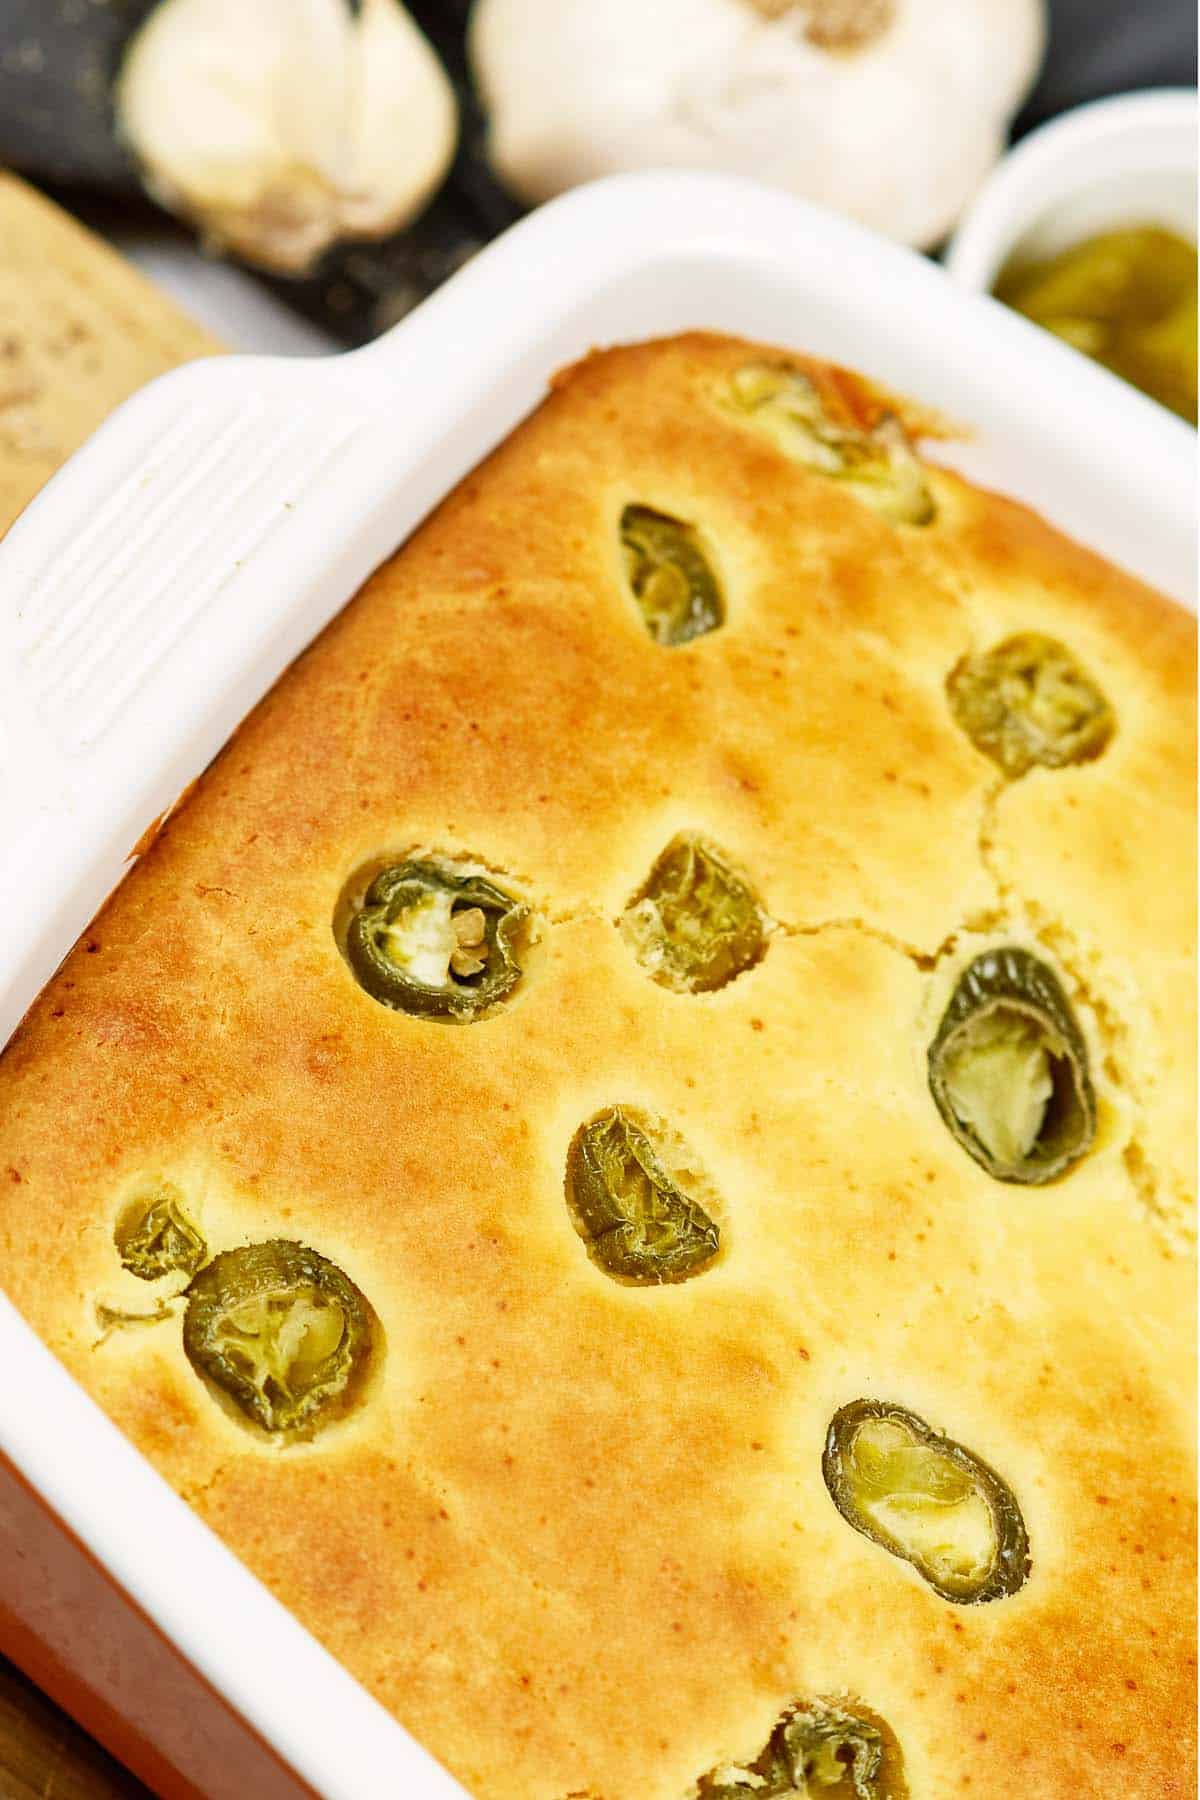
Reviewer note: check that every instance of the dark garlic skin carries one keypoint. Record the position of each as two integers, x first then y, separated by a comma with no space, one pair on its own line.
1027,703
670,576
1008,1069
155,1236
637,1222
878,466
432,941
928,1500
282,1333
694,924
818,1748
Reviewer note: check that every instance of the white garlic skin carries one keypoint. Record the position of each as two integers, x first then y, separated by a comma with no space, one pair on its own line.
281,126
898,132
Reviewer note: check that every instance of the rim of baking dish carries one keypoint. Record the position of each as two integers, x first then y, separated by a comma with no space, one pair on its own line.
252,495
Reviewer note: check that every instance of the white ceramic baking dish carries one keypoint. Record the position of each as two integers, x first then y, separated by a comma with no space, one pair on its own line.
153,593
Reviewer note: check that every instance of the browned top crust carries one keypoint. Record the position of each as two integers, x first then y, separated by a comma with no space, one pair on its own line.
576,1535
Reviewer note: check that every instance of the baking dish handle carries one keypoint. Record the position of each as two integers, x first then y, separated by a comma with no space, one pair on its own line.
142,606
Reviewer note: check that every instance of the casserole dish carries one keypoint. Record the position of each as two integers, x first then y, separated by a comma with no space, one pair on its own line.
102,664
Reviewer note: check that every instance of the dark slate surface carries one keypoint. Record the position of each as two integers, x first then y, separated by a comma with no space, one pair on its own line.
57,61
1109,46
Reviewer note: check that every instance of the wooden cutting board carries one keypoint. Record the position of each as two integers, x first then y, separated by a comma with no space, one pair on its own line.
80,330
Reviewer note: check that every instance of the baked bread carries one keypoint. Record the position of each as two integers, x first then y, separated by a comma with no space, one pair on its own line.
691,974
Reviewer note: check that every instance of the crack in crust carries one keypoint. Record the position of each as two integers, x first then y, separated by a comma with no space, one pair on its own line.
196,1490
1014,909
925,960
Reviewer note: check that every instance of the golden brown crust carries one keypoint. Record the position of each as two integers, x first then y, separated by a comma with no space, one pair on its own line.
578,1538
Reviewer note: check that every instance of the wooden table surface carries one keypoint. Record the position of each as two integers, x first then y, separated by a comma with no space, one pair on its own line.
79,331
45,1756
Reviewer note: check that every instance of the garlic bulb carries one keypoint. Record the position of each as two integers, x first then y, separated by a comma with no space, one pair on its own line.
889,110
281,126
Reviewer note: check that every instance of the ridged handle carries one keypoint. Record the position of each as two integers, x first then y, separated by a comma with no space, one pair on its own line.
127,553
128,605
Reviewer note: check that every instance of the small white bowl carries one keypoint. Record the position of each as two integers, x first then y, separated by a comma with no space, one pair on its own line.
1128,161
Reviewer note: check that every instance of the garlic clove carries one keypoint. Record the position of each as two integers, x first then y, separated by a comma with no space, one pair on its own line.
282,126
403,104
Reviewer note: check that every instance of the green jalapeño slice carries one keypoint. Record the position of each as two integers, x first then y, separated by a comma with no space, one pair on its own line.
878,466
817,1751
637,1222
1027,701
1009,1071
155,1237
694,923
282,1333
928,1500
671,578
434,942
